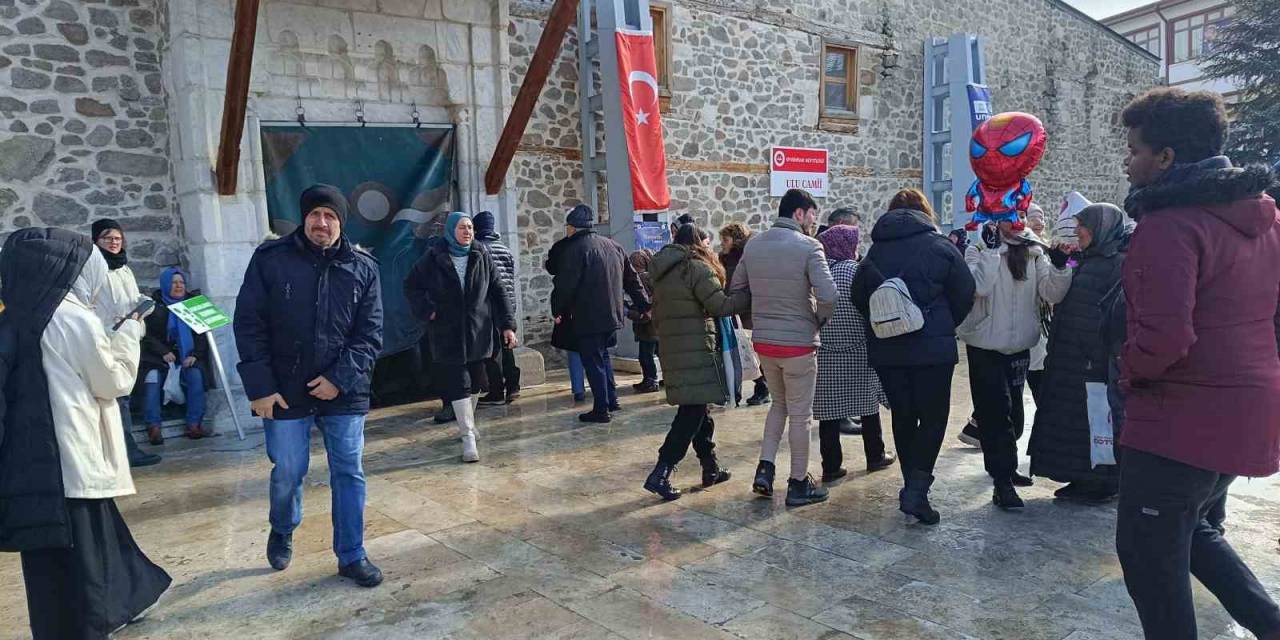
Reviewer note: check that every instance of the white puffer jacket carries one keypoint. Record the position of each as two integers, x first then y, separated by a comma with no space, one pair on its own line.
119,297
1006,312
88,367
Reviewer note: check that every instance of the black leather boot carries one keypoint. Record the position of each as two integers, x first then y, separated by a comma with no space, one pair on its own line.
659,482
763,483
362,572
914,498
279,550
1006,497
712,473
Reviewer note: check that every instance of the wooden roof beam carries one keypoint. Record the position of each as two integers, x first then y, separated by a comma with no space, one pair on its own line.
235,104
563,15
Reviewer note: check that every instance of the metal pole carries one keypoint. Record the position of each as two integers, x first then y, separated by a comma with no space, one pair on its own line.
222,381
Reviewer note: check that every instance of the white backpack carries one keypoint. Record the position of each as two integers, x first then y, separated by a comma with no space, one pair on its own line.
893,312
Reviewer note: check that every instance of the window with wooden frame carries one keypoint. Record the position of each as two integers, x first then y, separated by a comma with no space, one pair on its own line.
660,14
1189,33
839,92
1148,39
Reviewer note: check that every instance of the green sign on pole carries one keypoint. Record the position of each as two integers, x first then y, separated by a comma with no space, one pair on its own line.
200,314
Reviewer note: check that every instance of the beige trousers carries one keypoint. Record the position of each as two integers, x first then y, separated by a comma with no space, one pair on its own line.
791,382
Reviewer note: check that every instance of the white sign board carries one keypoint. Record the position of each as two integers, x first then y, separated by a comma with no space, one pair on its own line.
797,168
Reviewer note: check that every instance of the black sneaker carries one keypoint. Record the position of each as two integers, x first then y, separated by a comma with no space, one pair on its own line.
493,398
763,484
362,572
758,398
592,416
1005,497
647,386
143,460
970,434
803,492
279,550
445,415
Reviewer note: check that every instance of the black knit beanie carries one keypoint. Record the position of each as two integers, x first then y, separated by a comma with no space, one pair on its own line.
323,195
104,225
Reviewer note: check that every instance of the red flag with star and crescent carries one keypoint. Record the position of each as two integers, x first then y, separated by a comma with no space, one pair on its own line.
638,75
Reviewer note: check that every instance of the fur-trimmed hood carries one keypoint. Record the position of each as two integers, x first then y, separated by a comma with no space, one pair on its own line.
1235,195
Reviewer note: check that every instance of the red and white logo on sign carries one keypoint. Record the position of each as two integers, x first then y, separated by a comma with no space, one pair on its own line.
798,168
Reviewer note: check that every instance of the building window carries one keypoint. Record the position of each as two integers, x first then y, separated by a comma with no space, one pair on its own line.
662,46
1189,33
1148,39
839,82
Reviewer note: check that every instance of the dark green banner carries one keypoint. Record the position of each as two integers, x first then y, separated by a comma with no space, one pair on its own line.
399,181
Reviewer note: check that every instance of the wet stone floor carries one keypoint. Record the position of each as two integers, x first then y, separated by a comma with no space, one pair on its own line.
552,537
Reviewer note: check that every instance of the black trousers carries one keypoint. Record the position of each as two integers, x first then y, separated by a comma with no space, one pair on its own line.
1164,536
996,381
692,425
502,373
920,398
89,590
649,359
594,350
458,381
1034,378
833,453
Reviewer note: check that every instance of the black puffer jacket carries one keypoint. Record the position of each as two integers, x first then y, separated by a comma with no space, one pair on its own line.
303,313
1078,353
504,263
907,245
37,268
467,319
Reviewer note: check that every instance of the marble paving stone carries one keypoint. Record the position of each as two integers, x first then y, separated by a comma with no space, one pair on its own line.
771,623
552,537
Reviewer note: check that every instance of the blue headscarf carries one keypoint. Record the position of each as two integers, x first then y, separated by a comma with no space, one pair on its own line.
450,228
178,330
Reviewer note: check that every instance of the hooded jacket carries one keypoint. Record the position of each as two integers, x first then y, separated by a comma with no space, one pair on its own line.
37,267
1203,291
1006,312
907,245
687,299
792,293
303,313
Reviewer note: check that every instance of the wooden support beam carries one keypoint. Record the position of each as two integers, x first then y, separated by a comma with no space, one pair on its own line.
239,69
563,15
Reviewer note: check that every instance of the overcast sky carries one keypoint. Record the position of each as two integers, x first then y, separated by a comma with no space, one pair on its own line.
1106,8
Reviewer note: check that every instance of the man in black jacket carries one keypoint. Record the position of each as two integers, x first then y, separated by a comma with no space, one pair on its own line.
501,371
590,274
308,325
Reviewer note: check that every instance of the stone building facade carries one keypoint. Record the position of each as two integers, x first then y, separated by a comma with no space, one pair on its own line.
744,75
84,122
114,107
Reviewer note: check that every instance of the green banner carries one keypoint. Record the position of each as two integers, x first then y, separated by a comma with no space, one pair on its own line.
399,181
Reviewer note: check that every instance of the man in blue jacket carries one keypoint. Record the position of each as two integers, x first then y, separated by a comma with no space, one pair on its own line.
308,325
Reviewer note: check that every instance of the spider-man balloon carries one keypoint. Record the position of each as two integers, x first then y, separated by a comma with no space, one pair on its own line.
1003,152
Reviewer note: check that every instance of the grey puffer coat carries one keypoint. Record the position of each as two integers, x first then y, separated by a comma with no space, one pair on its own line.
792,293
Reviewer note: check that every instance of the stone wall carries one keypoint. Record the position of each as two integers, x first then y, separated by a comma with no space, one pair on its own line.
745,76
84,125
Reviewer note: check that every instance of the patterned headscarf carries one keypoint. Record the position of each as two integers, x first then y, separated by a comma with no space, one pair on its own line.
840,243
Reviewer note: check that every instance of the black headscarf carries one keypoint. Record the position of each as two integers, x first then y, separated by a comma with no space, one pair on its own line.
1107,225
114,260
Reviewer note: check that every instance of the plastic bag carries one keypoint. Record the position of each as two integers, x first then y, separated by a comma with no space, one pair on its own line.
173,393
1101,431
747,356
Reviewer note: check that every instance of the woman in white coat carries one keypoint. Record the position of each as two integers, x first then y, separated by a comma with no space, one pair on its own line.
118,298
1014,277
85,577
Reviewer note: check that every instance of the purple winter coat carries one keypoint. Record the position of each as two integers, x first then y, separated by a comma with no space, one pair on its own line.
1200,362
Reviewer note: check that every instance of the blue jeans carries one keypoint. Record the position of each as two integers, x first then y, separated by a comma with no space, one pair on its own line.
192,385
577,375
289,448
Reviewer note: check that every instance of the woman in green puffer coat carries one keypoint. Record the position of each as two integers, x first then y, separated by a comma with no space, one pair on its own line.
688,295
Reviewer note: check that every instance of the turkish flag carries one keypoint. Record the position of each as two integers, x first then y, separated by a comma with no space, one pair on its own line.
638,75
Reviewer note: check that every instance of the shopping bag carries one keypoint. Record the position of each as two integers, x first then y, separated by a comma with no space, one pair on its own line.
1101,432
173,386
747,356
